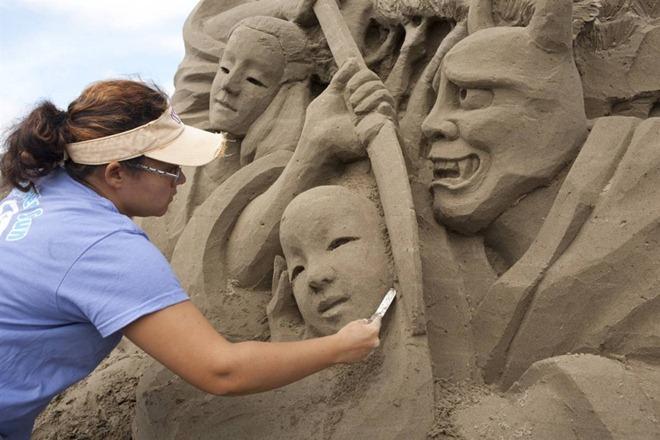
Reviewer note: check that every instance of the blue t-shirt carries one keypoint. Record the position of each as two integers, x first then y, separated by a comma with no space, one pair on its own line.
73,273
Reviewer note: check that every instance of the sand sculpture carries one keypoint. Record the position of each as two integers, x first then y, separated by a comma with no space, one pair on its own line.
537,239
531,137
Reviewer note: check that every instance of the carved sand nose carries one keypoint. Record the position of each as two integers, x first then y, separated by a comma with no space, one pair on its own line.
449,130
444,130
230,84
319,278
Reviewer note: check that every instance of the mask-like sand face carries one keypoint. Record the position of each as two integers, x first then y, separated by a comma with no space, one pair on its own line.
508,116
336,257
248,78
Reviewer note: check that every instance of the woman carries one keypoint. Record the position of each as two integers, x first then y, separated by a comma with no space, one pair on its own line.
77,273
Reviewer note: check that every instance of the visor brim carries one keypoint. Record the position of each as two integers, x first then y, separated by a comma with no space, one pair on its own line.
193,147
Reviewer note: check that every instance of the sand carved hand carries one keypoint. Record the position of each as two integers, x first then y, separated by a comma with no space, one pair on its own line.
415,28
369,100
329,134
284,319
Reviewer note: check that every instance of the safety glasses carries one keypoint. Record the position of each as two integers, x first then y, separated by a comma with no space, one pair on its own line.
138,166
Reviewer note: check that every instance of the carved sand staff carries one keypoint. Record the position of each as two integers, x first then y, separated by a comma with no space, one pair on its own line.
391,176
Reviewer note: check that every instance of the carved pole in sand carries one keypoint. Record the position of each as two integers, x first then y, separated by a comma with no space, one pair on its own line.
391,176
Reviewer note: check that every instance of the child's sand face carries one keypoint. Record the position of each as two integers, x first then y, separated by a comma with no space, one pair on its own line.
336,258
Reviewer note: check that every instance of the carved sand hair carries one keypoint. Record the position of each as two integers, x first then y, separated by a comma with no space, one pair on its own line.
292,42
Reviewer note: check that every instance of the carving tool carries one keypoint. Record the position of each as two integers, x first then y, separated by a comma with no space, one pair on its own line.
384,304
391,175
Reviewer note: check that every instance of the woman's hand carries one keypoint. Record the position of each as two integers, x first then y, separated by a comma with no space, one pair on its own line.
358,339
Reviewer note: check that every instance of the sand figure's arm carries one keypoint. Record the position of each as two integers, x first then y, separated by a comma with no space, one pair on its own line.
422,96
183,340
411,51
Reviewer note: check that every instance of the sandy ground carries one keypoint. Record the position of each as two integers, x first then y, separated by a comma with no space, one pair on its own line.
100,406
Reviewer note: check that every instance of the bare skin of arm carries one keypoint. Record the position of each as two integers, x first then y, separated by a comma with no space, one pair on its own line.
183,340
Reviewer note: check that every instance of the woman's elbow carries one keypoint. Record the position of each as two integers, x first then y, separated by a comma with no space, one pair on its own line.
227,374
217,390
226,386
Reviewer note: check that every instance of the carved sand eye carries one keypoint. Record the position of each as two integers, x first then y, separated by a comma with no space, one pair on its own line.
255,81
337,242
473,99
224,69
296,271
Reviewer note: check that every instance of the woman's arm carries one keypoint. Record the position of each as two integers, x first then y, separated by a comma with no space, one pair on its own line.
183,340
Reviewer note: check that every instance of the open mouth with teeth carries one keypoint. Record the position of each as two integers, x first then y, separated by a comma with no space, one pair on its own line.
455,173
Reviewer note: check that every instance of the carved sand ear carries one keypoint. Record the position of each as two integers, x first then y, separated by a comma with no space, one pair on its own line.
551,26
480,15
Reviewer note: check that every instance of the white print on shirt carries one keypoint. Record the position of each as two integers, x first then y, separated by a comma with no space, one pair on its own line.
23,221
7,210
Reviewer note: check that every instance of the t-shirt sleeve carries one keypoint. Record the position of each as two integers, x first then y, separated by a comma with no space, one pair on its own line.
116,281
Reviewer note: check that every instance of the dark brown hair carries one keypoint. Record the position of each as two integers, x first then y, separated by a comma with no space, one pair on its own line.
35,146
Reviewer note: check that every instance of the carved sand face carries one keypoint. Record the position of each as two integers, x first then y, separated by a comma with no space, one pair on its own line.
508,116
336,257
248,78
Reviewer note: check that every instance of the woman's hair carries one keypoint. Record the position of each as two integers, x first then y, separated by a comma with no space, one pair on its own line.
36,145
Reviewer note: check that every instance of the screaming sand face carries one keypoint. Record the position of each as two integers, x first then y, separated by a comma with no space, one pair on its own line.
508,116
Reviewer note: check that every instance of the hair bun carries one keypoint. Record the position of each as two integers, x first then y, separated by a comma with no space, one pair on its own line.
61,117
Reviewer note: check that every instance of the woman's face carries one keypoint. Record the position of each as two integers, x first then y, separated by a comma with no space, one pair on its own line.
248,78
147,193
337,262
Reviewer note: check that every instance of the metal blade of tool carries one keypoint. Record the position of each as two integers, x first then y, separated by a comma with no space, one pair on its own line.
384,304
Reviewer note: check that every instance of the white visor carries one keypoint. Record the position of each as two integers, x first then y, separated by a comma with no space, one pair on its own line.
166,139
